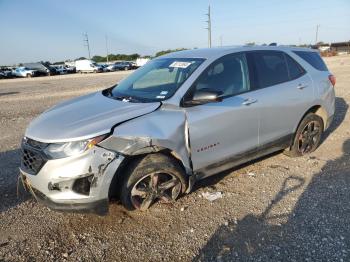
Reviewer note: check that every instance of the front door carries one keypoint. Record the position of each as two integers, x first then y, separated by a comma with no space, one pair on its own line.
221,130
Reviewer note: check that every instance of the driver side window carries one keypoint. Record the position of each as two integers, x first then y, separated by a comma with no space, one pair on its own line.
228,76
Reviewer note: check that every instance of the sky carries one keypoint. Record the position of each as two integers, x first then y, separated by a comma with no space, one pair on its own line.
41,30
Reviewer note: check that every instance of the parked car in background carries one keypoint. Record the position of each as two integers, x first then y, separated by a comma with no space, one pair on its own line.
151,137
43,69
60,70
5,73
123,65
70,69
87,66
111,68
24,72
104,67
133,65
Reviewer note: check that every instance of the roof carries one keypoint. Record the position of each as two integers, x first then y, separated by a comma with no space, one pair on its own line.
219,51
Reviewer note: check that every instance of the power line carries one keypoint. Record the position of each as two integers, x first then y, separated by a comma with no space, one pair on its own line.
107,47
209,27
86,43
317,27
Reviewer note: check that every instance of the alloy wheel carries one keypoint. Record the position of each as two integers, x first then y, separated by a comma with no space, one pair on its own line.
154,187
309,137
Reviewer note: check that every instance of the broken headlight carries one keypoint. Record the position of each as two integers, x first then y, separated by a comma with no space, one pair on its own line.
61,150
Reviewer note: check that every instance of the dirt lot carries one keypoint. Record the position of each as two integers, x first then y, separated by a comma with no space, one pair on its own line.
274,209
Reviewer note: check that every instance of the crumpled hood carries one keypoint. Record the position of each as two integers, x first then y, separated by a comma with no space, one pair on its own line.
84,117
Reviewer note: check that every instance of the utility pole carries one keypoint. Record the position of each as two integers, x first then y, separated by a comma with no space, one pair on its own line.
221,40
86,43
209,27
107,47
317,27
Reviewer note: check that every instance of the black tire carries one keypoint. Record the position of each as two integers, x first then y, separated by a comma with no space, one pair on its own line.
307,137
140,176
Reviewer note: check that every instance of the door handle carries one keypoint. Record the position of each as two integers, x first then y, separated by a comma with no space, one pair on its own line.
249,101
301,86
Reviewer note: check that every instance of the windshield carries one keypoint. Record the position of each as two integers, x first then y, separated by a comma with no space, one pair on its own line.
157,80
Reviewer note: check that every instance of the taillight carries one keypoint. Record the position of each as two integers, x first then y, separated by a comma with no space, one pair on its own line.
332,79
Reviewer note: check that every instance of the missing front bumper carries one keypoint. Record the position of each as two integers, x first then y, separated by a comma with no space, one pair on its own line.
99,207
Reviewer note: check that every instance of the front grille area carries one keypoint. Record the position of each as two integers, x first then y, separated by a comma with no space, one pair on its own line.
32,159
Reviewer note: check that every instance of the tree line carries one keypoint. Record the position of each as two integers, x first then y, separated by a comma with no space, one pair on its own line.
125,57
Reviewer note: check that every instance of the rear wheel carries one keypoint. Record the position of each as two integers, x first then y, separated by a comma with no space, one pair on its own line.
126,68
156,177
29,75
307,137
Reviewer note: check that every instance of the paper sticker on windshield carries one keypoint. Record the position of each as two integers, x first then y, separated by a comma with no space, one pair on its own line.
164,92
161,97
178,64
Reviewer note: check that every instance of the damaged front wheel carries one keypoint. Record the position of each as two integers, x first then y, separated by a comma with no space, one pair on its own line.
156,177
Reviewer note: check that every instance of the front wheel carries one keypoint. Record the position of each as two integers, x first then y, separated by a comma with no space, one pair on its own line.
307,137
155,177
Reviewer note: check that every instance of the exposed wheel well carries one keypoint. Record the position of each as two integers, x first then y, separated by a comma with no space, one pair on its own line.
118,178
318,110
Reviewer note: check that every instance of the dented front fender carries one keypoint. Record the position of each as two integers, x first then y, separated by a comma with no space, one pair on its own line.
165,128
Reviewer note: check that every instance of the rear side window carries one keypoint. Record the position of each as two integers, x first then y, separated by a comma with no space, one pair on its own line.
313,58
267,68
295,70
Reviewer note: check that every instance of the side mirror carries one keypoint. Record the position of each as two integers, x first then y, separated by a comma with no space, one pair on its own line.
204,96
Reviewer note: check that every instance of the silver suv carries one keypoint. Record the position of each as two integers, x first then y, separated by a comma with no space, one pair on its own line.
180,118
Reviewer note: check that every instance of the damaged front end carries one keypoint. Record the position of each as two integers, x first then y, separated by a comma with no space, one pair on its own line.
165,130
75,183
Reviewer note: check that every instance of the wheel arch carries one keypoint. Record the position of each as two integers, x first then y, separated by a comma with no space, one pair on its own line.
318,110
134,159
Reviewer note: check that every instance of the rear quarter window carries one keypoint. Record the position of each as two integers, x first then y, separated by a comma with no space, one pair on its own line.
295,70
313,58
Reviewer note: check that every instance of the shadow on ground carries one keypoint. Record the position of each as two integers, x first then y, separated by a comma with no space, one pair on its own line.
9,164
317,229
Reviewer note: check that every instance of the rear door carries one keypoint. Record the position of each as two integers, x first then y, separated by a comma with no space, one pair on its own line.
285,92
219,131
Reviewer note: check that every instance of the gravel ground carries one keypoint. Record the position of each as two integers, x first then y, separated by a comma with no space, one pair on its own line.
273,209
